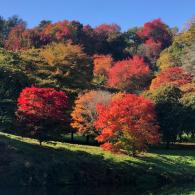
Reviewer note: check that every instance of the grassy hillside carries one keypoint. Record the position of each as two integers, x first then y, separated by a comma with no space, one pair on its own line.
24,162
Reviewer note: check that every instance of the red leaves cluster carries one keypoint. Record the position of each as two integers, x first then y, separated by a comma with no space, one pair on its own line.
173,75
157,31
15,37
128,74
156,37
107,28
42,104
21,38
57,31
102,63
130,118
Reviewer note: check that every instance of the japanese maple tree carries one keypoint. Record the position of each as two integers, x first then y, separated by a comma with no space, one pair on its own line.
42,110
173,75
130,75
127,124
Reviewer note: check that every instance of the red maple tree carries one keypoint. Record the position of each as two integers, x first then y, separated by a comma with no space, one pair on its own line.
127,124
107,28
130,74
156,30
173,75
41,109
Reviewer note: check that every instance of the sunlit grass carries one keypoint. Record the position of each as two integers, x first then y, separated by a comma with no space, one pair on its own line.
73,163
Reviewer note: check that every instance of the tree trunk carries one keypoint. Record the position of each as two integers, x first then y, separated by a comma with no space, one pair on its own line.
72,136
180,137
168,144
133,153
87,139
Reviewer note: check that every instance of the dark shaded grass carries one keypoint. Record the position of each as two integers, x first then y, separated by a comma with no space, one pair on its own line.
24,163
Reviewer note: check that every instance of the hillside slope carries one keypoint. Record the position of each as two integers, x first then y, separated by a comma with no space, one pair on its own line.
24,163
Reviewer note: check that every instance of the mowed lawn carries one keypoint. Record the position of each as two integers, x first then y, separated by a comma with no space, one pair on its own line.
24,163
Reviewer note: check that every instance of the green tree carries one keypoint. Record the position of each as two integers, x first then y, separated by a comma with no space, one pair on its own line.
175,55
188,122
132,42
60,66
10,59
11,83
169,111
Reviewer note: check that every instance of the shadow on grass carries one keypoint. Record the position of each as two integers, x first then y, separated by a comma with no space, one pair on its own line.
24,164
103,190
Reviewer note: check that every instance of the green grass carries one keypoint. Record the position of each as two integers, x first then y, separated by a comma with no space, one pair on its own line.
24,162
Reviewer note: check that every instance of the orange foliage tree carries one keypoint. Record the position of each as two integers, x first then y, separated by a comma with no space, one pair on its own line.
173,75
127,124
102,63
188,88
84,113
130,75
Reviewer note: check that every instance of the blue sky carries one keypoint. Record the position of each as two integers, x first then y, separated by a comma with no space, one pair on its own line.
126,13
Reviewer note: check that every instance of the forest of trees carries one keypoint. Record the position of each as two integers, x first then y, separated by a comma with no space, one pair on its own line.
127,90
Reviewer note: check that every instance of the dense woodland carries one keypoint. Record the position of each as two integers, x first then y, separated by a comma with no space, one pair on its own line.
127,90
